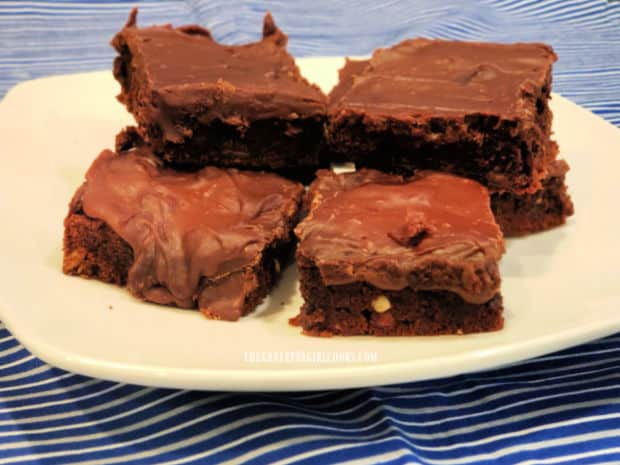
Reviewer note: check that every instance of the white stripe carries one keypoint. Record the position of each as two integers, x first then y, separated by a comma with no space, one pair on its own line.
525,376
21,361
565,11
497,396
304,439
50,392
75,9
501,408
339,400
25,374
600,23
50,59
235,445
60,63
304,455
611,71
382,458
186,442
62,47
122,430
156,16
314,395
37,383
533,446
86,424
573,457
446,390
76,412
86,5
10,351
201,437
502,421
521,432
71,400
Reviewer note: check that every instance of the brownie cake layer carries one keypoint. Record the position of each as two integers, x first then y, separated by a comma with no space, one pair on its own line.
546,208
198,102
214,239
379,254
478,110
359,308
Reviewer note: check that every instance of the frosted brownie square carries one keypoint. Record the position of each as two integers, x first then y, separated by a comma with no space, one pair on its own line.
383,255
214,239
478,110
199,102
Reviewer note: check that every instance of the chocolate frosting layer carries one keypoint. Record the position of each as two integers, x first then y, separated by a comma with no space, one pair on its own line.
434,232
444,78
188,72
195,236
346,77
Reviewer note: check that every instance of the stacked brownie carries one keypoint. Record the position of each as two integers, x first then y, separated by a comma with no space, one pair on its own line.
478,110
451,142
545,208
198,102
386,255
158,215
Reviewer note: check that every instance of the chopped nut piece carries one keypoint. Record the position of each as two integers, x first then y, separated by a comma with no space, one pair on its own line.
74,259
381,304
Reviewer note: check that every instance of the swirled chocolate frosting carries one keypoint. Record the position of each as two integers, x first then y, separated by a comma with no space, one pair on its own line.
195,236
433,232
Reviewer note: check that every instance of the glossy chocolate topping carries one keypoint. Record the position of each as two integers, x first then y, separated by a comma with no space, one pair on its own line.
378,228
346,76
445,78
195,236
186,68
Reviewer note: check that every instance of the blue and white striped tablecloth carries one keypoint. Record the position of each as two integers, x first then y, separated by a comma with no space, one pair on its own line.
562,408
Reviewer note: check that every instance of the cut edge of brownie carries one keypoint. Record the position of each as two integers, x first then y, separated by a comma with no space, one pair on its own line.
186,142
362,309
93,250
132,136
549,207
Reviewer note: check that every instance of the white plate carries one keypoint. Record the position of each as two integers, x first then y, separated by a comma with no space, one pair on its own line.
560,288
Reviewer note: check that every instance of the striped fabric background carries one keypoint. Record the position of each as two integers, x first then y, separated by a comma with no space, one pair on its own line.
562,408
